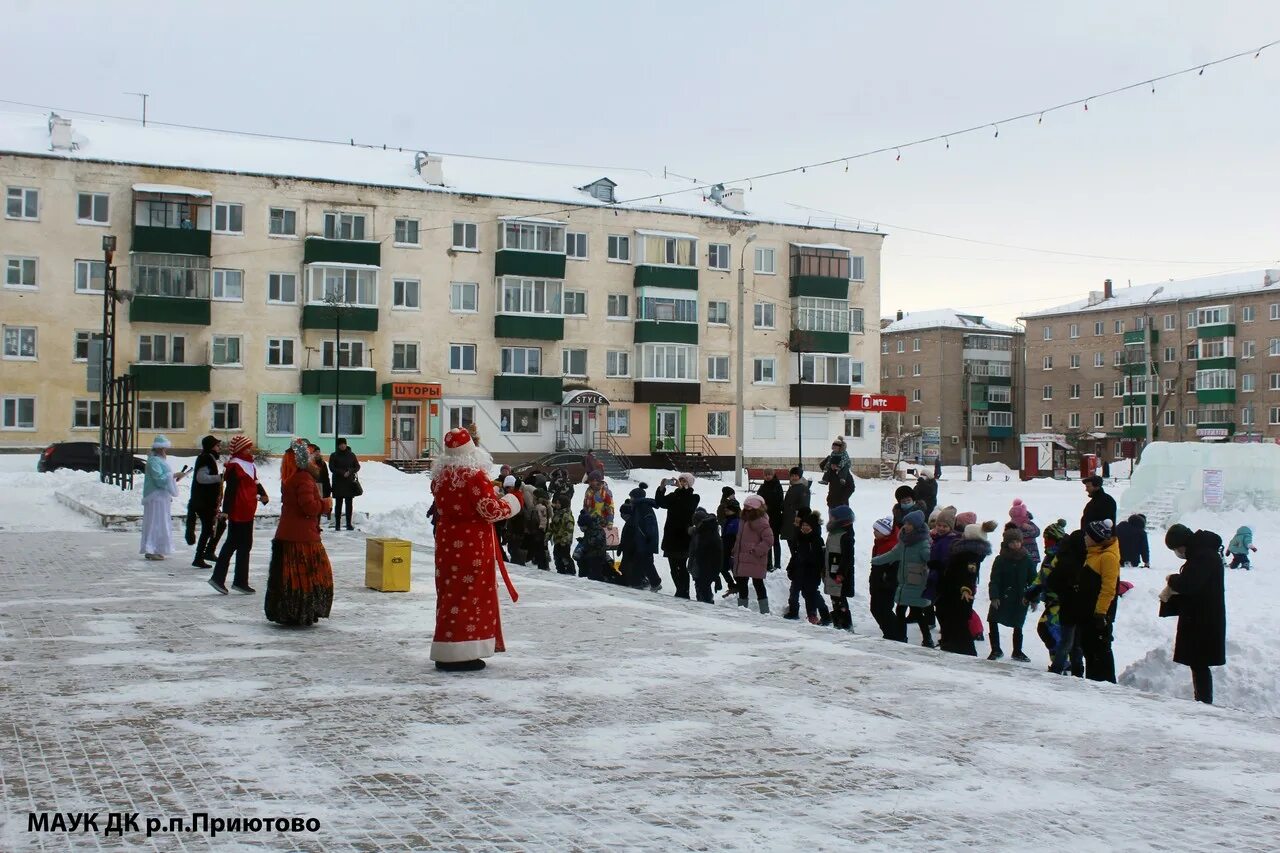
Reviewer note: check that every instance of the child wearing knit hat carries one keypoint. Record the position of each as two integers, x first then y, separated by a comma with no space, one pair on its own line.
882,582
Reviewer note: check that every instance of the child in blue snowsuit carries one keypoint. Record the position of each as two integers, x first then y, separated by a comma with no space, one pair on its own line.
1240,547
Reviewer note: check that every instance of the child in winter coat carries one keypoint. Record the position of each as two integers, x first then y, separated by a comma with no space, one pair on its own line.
561,532
1011,573
706,554
752,550
535,528
911,556
728,514
808,565
882,581
592,551
1021,516
1240,547
1053,536
957,585
838,577
644,541
838,459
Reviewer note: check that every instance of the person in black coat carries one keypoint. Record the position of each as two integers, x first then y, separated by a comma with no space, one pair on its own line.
926,492
679,505
1070,582
840,486
770,492
1197,596
794,505
706,554
343,466
1100,506
905,503
1132,536
206,488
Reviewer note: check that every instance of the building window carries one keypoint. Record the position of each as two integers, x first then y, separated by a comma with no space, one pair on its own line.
1170,354
618,306
1048,362
765,262
855,321
22,203
902,370
1118,326
162,349
534,296
816,314
226,350
1117,358
1215,380
464,297
998,394
348,286
1216,349
718,424
1170,418
404,356
86,414
618,422
405,293
282,288
997,446
1248,349
20,342
1193,352
576,245
462,358
1117,388
350,354
282,222
350,419
1248,314
763,314
824,369
521,361
228,218
717,313
573,362
18,413
1274,417
1248,382
852,426
915,395
91,208
619,249
1046,393
461,416
226,416
1117,418
617,364
915,370
1097,329
1273,346
1075,361
343,226
1170,322
532,236
718,368
764,425
1097,390
90,276
162,415
20,272
1048,333
81,346
407,233
857,268
884,346
1246,416
228,285
915,345
280,419
674,362
763,371
902,347
668,309
1099,420
1074,330
518,420
464,237
280,352
1073,420
718,256
1275,310
1275,382
1074,392
1046,421
575,303
1213,316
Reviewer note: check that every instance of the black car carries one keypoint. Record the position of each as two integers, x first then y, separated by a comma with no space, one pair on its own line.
76,455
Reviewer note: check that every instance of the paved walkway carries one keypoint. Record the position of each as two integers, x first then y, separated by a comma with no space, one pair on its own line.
618,721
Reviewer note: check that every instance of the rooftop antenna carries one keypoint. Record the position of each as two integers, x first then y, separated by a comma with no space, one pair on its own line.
144,96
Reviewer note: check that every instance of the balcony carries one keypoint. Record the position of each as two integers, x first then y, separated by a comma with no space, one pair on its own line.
528,264
659,391
1216,395
1139,337
529,327
802,340
175,310
321,250
681,278
356,382
999,432
1217,330
820,396
652,331
170,241
1227,362
353,319
1137,368
539,389
819,286
1134,431
170,377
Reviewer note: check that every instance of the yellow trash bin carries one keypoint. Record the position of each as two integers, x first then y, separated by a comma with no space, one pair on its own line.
387,563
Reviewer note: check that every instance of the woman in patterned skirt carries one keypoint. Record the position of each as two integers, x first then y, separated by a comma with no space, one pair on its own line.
300,582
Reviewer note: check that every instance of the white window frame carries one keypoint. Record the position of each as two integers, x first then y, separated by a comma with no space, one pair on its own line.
765,261
360,281
1048,333
11,412
26,197
458,353
1099,420
1099,360
764,315
1098,327
611,305
401,347
460,416
228,407
1046,420
338,222
84,272
458,291
715,375
20,331
1273,347
619,249
525,291
764,370
1074,361
292,428
218,280
668,362
1248,382
818,369
82,336
567,357
916,395
409,224
349,347
571,247
1274,311
1048,362
719,256
1248,349
1170,322
1275,382
351,407
86,414
172,424
617,364
1073,420
1248,314
276,282
469,232
283,219
1073,331
278,346
226,340
512,358
527,231
618,422
225,209
676,307
172,343
916,369
1214,315
94,198
577,295
1046,392
718,424
711,317
400,292
20,264
857,325
507,416
816,314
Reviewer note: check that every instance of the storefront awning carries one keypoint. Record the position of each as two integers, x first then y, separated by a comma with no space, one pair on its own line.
584,397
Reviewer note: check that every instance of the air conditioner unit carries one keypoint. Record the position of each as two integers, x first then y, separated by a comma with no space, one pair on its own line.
548,412
955,439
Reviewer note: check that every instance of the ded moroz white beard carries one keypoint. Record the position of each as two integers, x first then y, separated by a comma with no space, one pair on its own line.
472,457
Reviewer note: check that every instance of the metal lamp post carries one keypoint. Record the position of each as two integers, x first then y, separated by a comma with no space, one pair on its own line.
337,302
106,460
1146,366
740,417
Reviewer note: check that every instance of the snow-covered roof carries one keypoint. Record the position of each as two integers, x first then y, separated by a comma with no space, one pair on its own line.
1207,287
171,189
946,318
100,140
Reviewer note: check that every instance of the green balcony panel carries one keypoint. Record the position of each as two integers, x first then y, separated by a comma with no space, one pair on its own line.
1217,395
1000,407
1137,368
353,319
170,241
170,377
319,250
1218,330
169,309
528,264
652,331
1225,363
806,341
819,286
979,404
999,380
355,383
1134,431
1000,432
539,389
681,278
534,328
1137,338
1134,400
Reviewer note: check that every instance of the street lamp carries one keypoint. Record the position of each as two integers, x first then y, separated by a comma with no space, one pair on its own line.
336,301
1146,365
739,426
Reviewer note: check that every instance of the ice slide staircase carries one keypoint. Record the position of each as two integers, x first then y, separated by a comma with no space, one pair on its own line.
1161,509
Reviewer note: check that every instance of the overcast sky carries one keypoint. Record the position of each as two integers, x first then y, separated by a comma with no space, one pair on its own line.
1184,182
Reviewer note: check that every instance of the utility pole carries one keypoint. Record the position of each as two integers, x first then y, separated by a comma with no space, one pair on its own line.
335,301
106,458
968,423
1150,378
739,424
144,96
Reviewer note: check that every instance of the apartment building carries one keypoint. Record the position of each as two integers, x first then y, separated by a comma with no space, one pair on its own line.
1213,374
286,288
929,357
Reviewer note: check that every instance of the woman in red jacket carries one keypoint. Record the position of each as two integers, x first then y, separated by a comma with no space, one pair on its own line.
300,580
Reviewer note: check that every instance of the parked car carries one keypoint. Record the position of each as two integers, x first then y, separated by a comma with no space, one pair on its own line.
78,456
573,464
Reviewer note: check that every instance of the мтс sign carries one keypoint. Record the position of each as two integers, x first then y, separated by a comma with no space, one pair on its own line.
877,403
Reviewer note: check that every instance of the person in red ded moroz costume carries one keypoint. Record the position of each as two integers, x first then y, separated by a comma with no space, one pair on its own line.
468,625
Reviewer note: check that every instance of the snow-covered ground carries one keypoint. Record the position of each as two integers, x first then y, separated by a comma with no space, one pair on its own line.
396,505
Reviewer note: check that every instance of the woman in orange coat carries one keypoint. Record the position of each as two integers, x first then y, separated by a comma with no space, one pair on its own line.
300,582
